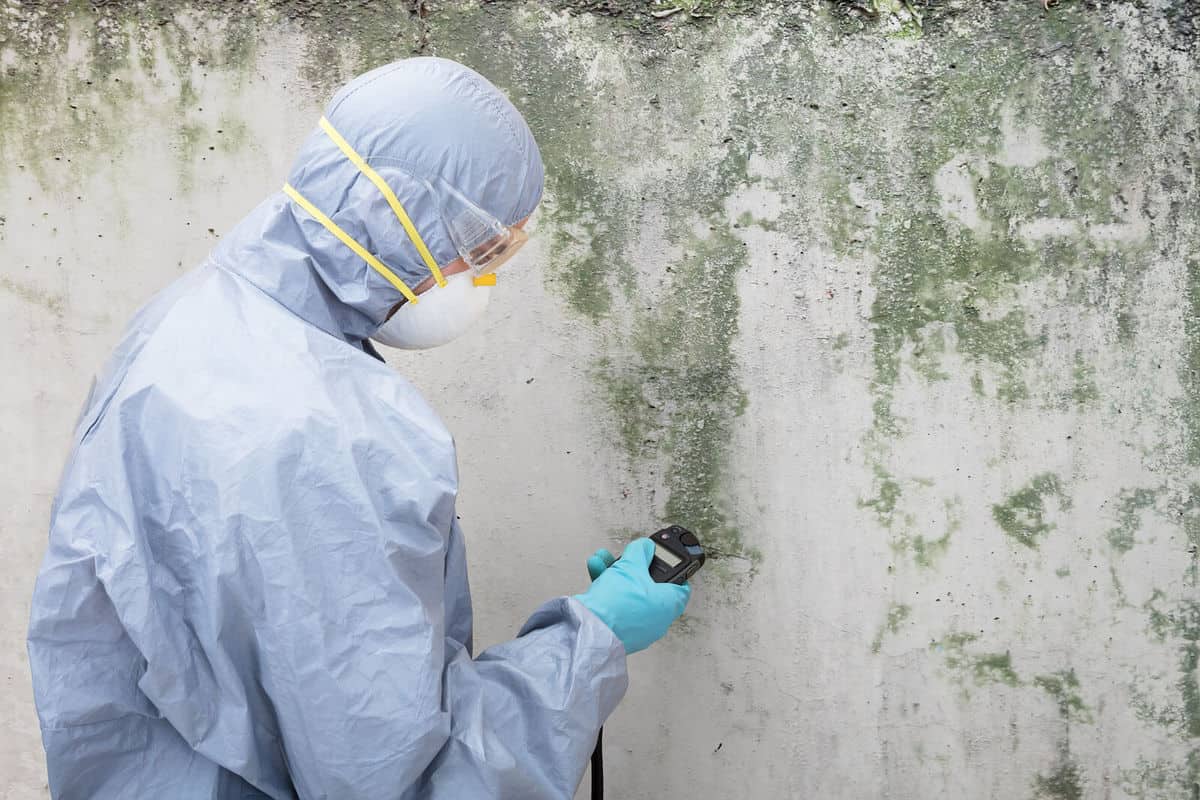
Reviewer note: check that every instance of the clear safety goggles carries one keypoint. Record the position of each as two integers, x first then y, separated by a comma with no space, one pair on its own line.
482,241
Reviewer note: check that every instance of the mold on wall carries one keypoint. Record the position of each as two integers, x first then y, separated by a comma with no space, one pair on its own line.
896,303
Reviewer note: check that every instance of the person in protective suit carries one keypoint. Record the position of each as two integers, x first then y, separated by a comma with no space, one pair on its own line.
255,584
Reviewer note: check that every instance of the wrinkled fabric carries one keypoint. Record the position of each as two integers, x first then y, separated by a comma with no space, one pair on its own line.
255,584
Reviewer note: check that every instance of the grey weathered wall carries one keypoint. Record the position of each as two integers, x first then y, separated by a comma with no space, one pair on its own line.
904,319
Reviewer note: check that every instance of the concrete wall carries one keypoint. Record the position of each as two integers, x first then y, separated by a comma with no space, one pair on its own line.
903,318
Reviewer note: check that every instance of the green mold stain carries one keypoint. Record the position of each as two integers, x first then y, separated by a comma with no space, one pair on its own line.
1084,389
1152,780
1022,515
982,668
668,379
1063,686
117,47
897,613
887,493
683,350
995,668
941,285
1189,373
1178,623
1131,503
1065,782
926,551
589,230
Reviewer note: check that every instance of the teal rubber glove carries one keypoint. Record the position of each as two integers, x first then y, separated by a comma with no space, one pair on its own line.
629,602
599,561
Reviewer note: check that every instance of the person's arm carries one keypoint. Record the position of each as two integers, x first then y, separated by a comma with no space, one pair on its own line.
389,702
524,715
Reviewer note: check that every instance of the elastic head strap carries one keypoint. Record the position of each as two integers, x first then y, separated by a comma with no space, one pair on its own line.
349,241
387,192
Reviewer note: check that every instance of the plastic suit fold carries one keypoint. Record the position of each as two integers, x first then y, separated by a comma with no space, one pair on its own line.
255,584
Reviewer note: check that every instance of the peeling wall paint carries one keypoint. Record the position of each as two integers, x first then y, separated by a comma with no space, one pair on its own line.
898,304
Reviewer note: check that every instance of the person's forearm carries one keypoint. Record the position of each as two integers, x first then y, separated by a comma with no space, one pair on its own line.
525,713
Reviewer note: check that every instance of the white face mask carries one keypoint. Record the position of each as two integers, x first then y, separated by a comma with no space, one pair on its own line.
442,313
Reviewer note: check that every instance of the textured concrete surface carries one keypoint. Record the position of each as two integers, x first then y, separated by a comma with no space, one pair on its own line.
903,316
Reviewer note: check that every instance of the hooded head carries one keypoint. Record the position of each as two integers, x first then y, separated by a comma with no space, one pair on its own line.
416,123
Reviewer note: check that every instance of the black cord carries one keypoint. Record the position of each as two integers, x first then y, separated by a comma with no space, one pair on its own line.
598,767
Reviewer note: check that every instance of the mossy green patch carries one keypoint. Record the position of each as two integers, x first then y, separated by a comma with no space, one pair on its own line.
887,493
982,668
1162,778
686,346
1063,686
668,376
107,57
953,260
1130,504
927,551
1022,515
586,238
897,613
1189,373
1064,782
1083,389
1179,623
995,668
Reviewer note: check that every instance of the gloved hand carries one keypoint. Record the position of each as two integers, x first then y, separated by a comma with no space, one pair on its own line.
598,562
628,601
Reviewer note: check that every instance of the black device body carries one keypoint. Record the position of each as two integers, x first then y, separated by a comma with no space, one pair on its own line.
678,556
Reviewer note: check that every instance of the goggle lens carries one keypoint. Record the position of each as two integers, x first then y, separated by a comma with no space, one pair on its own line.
492,254
480,239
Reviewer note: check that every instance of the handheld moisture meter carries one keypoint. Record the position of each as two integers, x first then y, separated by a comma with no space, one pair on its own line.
677,555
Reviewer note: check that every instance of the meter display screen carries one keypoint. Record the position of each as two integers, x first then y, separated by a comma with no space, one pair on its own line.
666,556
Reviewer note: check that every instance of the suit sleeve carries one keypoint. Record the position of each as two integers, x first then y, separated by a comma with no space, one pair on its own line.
523,715
378,695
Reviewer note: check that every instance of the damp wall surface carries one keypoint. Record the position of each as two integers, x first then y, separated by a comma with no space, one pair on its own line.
901,315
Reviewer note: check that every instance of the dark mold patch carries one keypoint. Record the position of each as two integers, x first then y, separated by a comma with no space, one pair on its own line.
1130,505
1064,782
982,668
1063,686
1189,373
1022,515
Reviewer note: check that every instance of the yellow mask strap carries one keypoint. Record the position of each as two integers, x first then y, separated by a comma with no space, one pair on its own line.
348,240
387,192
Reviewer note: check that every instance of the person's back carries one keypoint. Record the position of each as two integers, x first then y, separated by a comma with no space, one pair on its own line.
186,550
255,583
